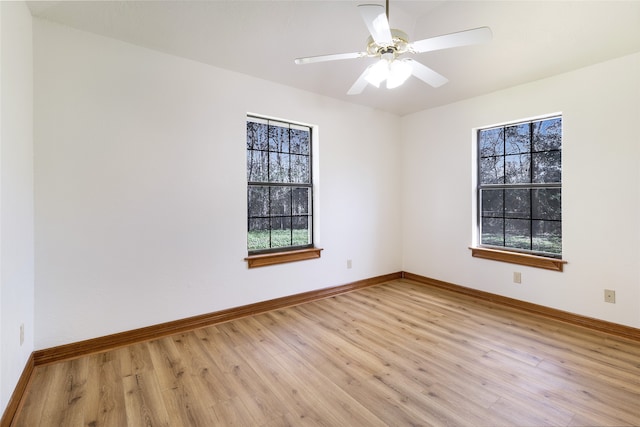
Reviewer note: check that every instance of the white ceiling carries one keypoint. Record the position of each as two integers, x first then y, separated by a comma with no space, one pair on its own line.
531,39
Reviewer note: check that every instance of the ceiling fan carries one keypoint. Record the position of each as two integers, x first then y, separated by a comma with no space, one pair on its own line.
389,44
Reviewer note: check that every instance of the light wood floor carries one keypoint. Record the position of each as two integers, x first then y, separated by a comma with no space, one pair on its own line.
398,354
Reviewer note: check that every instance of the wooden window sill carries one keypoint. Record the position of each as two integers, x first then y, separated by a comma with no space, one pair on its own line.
263,260
519,258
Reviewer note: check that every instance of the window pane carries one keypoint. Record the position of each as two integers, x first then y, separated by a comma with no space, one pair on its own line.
547,236
301,232
547,134
280,201
257,136
492,170
300,140
280,231
517,203
518,168
493,203
491,142
258,235
258,201
517,233
547,204
300,169
279,137
547,167
492,231
517,139
279,167
257,166
301,201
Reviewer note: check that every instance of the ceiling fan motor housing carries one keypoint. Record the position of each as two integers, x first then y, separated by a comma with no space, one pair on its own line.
400,45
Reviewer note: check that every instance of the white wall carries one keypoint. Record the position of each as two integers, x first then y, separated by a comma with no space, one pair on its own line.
141,194
16,194
601,191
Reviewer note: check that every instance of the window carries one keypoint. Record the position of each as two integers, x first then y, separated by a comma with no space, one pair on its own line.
280,187
520,187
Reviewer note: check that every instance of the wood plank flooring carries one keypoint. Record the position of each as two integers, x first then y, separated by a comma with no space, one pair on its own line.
397,354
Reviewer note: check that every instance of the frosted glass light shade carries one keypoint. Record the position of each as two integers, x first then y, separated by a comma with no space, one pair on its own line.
399,72
378,72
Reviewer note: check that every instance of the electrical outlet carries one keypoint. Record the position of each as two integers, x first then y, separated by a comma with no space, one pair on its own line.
21,333
349,263
610,296
517,277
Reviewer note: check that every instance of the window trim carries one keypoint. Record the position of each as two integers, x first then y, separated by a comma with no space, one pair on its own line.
507,254
282,257
520,258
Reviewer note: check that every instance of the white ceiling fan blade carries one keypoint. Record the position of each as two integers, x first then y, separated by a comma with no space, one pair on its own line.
332,57
462,38
426,74
375,18
360,84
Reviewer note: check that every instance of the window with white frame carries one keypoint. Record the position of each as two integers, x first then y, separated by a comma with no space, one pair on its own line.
520,187
279,186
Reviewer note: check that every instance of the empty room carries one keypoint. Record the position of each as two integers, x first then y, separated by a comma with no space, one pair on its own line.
319,213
